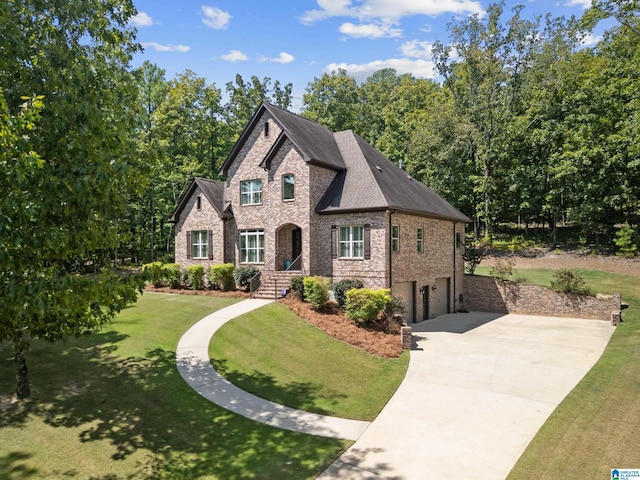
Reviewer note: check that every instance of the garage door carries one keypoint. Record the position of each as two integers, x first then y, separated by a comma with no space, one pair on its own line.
441,297
406,290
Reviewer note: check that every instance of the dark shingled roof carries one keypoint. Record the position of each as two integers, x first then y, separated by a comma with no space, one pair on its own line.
373,182
365,180
213,192
315,142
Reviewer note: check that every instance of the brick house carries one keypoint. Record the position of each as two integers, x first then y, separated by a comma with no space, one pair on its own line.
299,198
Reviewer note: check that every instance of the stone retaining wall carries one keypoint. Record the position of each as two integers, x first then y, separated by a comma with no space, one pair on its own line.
486,294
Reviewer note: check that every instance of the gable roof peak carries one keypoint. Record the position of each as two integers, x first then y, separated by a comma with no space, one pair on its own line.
314,141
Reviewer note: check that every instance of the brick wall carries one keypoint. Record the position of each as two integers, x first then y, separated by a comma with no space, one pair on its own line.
441,257
204,219
486,294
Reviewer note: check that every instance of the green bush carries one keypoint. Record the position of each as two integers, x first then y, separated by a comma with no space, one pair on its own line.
624,241
472,256
316,291
296,284
502,270
221,277
243,276
195,276
163,274
340,289
363,305
566,281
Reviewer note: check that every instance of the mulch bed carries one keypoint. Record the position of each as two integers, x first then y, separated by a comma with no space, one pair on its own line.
333,321
209,293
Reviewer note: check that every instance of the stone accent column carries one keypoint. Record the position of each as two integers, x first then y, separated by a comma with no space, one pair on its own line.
406,334
616,318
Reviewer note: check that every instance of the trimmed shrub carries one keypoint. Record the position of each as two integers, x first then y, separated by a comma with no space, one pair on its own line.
195,276
163,274
566,281
316,291
221,277
340,289
296,284
363,305
472,256
243,276
502,270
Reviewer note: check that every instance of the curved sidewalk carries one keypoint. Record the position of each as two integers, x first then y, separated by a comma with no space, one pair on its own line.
194,364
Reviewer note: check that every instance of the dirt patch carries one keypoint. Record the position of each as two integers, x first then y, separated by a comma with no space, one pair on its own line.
568,260
335,323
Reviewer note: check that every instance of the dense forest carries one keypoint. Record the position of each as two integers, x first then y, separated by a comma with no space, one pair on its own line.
523,124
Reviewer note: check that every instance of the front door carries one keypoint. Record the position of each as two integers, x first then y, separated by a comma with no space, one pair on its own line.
296,248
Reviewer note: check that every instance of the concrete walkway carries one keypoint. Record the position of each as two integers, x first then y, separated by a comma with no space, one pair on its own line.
477,390
194,364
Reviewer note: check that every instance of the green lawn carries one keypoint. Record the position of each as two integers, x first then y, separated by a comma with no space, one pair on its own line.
114,407
596,428
276,355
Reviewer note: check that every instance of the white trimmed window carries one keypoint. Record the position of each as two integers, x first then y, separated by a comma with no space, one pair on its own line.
251,192
351,243
420,239
395,238
199,244
252,246
288,186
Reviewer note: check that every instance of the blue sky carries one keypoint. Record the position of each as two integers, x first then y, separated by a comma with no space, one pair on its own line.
297,41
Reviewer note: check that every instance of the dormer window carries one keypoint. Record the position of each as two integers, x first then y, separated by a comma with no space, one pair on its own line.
266,129
288,187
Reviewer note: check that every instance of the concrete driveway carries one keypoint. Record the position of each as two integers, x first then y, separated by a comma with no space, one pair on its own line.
478,388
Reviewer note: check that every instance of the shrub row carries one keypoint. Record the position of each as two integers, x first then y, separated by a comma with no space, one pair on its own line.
362,305
218,277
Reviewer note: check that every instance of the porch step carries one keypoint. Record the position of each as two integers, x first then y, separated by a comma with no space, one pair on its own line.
273,283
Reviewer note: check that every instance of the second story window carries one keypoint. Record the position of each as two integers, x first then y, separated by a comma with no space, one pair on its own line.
251,192
420,240
395,238
288,186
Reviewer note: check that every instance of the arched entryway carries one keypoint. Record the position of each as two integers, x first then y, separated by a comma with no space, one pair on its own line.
289,247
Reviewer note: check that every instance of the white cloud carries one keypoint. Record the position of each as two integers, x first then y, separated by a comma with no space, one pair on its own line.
590,40
215,18
417,49
390,10
234,56
166,48
283,58
584,4
418,68
369,30
142,19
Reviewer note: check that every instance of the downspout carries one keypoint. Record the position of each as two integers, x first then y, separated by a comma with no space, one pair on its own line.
390,250
454,268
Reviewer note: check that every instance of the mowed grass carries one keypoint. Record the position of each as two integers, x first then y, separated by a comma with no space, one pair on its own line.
597,427
113,406
274,354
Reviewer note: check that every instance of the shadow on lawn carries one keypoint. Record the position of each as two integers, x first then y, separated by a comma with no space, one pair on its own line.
143,403
298,395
